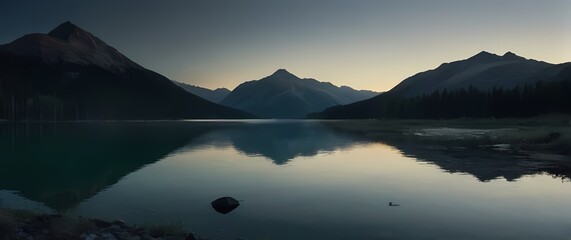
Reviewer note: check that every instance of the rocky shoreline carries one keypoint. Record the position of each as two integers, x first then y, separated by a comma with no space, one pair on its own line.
26,225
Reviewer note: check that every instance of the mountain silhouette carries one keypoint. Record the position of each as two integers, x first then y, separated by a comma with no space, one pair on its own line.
284,95
479,74
481,71
69,43
214,96
69,74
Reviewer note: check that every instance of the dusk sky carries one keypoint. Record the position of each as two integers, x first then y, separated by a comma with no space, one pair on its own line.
364,44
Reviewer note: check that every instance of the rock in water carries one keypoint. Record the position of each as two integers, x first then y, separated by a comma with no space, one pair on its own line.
225,205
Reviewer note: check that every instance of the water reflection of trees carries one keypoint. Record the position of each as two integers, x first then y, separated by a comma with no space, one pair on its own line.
63,164
484,163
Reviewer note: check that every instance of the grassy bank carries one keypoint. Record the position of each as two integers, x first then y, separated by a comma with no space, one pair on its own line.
546,133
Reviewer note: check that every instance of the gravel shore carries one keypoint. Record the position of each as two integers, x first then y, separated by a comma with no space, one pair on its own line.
27,225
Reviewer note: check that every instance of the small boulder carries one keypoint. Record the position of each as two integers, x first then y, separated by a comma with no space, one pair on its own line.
225,205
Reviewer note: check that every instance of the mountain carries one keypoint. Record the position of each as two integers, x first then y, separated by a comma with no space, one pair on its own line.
214,96
69,74
482,71
483,82
284,95
71,44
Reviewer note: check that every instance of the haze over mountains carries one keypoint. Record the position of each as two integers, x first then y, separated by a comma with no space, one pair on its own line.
490,83
69,74
284,95
215,95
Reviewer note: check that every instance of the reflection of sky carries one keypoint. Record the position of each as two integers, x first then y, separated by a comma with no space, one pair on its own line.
338,195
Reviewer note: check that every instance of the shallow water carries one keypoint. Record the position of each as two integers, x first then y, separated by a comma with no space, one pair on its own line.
297,180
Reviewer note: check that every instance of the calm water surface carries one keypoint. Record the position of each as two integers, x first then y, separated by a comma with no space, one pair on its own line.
297,180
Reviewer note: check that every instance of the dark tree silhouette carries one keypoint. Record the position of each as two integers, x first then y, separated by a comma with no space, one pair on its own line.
521,101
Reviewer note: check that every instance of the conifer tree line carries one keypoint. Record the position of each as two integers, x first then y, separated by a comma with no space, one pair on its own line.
19,103
527,100
521,101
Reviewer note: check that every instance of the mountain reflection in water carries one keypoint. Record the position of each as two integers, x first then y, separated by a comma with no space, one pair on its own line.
298,179
61,164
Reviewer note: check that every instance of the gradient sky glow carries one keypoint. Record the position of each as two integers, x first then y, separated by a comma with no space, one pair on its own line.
365,44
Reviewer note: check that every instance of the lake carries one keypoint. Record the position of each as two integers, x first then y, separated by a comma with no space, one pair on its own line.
296,180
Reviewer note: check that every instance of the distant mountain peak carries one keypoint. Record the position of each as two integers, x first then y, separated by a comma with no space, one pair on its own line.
65,30
485,53
284,95
281,73
69,43
484,56
508,53
487,56
70,32
512,56
214,96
